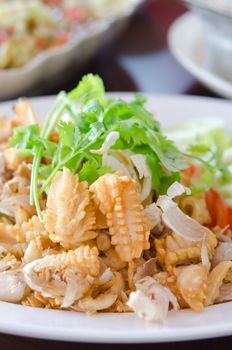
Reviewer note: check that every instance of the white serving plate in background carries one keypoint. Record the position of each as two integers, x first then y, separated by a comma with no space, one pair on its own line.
50,63
214,321
187,44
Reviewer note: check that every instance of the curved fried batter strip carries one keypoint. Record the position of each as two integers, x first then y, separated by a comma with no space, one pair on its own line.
174,250
65,277
118,199
69,217
196,208
215,281
192,284
103,300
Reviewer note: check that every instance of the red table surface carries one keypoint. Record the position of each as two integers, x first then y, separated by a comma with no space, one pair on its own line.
144,37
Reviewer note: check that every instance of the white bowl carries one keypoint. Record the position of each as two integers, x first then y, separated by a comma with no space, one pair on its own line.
49,63
218,36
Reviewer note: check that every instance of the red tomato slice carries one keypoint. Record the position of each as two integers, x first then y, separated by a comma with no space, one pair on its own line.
218,209
230,216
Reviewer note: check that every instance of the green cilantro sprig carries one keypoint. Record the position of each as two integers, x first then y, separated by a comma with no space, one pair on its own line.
93,117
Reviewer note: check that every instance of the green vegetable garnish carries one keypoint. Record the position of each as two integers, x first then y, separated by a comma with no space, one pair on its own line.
94,117
207,144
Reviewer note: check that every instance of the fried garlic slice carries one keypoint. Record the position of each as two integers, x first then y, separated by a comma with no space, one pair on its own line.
65,277
35,299
69,217
118,199
174,250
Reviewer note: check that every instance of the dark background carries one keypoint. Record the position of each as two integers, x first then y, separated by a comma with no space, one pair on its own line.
138,60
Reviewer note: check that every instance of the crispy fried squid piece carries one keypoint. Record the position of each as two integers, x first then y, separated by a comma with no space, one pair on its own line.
8,262
68,277
16,249
12,160
65,277
30,230
174,250
24,114
5,129
216,281
118,199
69,217
192,284
14,199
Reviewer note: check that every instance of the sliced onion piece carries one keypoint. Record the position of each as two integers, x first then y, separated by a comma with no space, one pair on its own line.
106,276
153,213
149,268
177,189
110,140
204,253
180,223
139,161
75,290
223,252
115,164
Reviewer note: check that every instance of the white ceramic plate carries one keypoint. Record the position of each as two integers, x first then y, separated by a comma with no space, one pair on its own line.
214,321
186,42
45,66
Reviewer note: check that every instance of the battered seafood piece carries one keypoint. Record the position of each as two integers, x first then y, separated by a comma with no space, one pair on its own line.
24,114
64,277
69,217
12,286
30,230
151,300
14,197
118,199
174,250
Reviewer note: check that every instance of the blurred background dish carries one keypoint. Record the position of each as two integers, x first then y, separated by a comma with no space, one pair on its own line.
39,39
216,20
186,40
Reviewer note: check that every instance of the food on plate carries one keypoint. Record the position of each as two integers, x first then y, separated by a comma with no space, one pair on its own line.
30,27
101,210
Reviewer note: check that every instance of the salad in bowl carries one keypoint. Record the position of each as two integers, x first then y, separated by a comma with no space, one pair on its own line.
101,211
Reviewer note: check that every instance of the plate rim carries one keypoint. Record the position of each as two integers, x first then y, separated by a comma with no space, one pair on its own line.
146,335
